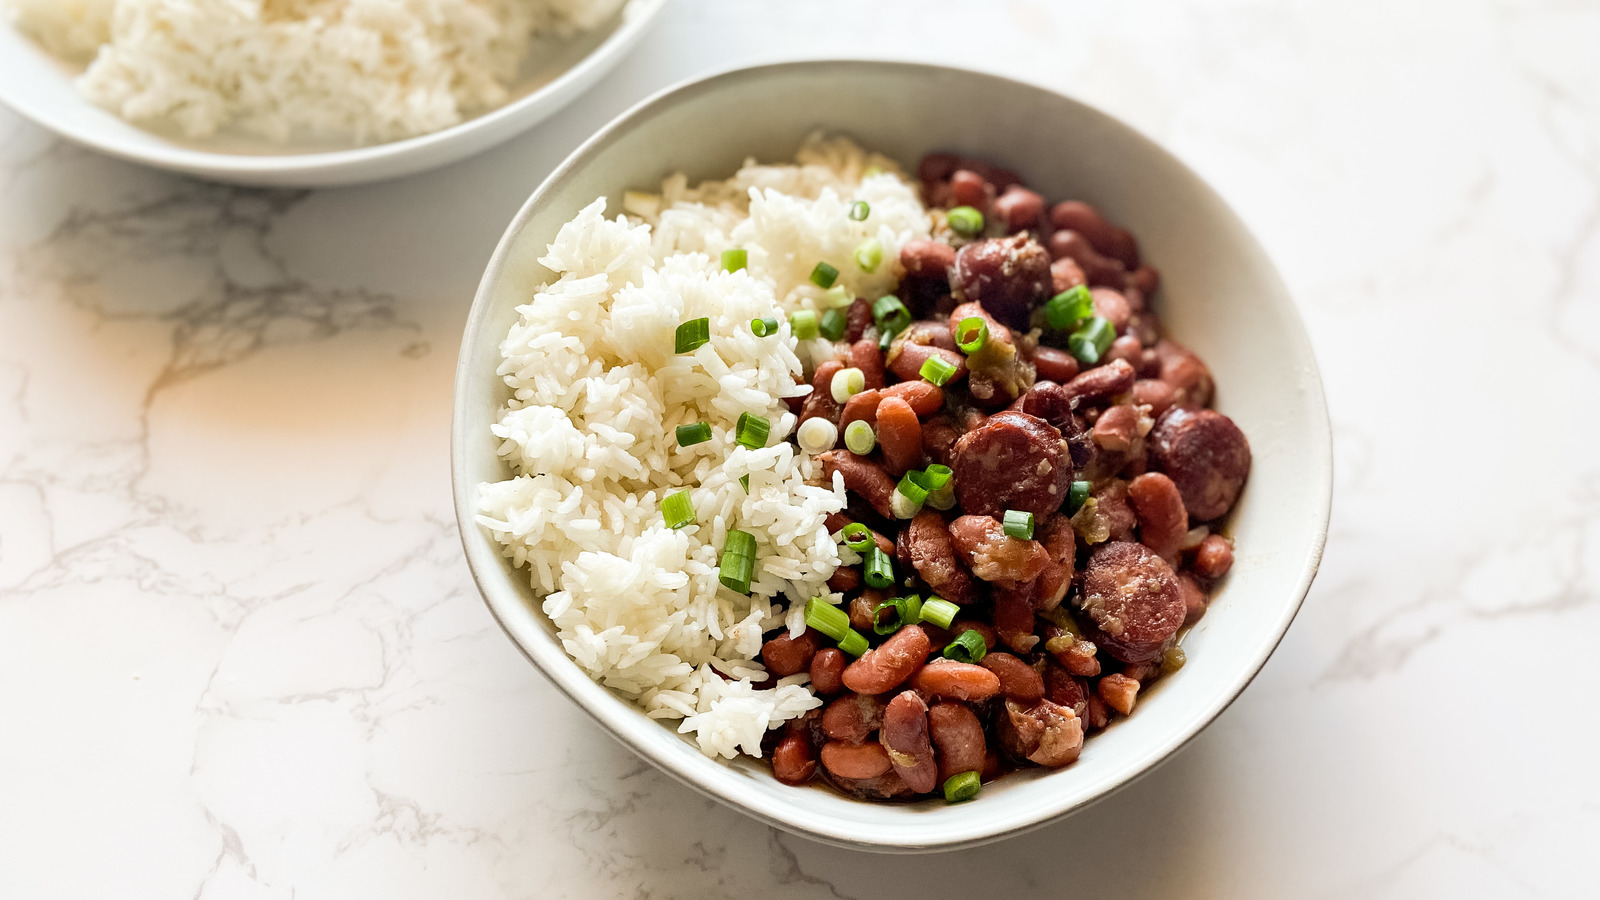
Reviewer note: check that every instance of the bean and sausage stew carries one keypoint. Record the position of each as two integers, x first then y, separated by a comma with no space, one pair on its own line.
1035,485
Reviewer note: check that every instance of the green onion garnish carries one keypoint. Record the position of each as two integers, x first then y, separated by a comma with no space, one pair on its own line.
908,485
968,647
824,275
964,220
752,431
1076,495
907,611
837,297
677,510
935,477
937,370
963,787
890,314
972,334
734,260
738,561
833,325
857,537
744,482
859,211
827,618
1091,340
879,571
859,438
869,255
853,643
1019,524
689,435
885,340
764,327
803,322
693,334
1068,308
847,383
939,611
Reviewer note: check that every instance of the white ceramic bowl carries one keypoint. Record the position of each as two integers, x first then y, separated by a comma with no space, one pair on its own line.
1220,295
39,87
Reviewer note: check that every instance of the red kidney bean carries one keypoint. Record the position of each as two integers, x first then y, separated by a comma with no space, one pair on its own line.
1131,595
1062,689
938,166
1206,455
820,403
1098,269
968,188
1054,365
1117,429
993,555
1194,598
1112,509
794,760
852,718
1119,692
905,736
956,680
1187,374
932,332
1060,541
862,477
906,359
899,435
827,671
924,399
939,440
862,407
1154,393
891,663
1163,521
1066,274
1007,275
857,319
1146,279
866,609
1128,349
1082,659
865,355
1214,557
1013,619
1107,238
855,761
844,579
927,259
1098,715
785,656
1044,733
1012,461
957,739
934,558
1100,384
1018,680
1019,209
1110,305
984,630
1051,402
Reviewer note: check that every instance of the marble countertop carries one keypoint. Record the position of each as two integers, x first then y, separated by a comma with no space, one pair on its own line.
241,656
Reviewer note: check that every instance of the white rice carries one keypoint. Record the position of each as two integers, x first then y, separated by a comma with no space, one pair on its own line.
599,392
346,70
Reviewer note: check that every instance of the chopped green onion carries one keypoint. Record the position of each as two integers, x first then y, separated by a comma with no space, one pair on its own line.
908,496
1076,495
869,255
859,211
738,561
803,322
963,787
890,314
879,571
907,611
833,325
827,618
885,340
860,438
734,260
678,510
1019,524
964,220
853,643
935,477
968,647
817,435
837,297
908,485
764,327
752,431
744,482
1068,308
939,611
824,275
847,383
972,334
689,435
693,334
943,498
1091,340
937,370
858,537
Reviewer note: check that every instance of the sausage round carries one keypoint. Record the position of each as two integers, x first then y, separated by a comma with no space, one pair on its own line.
1007,275
1012,461
1131,595
1206,456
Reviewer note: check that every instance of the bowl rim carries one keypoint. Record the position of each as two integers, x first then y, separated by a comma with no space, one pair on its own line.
636,15
569,678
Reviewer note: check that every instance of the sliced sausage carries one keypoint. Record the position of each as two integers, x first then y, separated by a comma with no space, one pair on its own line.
1131,595
1007,275
1012,461
1206,455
